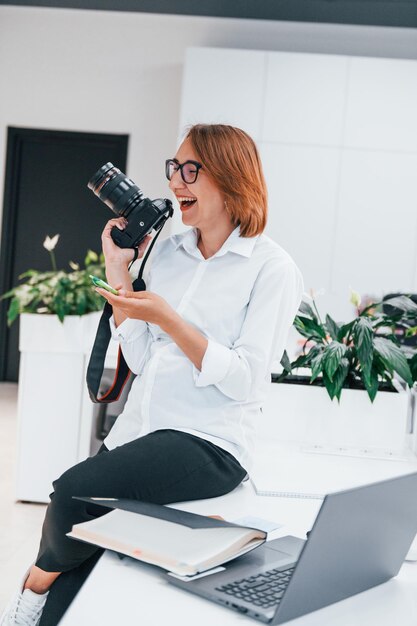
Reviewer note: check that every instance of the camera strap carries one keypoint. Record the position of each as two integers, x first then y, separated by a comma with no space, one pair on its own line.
101,343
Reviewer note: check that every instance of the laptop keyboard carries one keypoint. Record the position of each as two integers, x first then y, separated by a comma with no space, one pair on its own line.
264,590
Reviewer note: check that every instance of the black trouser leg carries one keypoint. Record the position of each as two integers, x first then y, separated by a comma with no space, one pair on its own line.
162,467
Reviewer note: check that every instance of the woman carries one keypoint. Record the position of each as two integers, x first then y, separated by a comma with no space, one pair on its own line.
219,303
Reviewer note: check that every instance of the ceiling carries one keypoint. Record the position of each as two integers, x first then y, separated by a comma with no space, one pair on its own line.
399,13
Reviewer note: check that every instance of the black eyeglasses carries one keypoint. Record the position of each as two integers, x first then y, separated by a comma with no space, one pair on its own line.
189,170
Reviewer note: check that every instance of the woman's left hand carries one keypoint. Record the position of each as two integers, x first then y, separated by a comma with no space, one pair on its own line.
141,305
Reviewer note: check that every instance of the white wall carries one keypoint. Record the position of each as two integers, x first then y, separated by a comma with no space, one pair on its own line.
122,72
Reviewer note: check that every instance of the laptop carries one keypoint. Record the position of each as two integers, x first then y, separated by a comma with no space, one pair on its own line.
359,540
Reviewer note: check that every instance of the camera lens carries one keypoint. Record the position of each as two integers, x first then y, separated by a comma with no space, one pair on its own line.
115,189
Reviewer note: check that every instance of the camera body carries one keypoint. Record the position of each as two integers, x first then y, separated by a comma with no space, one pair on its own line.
126,200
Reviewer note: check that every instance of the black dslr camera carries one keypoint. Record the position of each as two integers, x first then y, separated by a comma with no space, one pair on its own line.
126,200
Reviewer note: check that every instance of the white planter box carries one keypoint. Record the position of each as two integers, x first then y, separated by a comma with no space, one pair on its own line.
54,411
305,414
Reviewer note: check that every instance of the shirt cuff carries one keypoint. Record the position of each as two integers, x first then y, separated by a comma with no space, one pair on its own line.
215,365
129,330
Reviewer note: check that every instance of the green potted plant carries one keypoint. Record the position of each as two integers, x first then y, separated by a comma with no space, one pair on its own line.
365,353
58,313
364,365
57,292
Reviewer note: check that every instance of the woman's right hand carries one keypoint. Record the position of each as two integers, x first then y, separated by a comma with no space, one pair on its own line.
114,255
117,261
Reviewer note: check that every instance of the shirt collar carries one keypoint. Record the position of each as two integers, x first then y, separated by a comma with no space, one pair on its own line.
234,243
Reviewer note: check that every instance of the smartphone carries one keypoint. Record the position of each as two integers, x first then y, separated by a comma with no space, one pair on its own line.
100,283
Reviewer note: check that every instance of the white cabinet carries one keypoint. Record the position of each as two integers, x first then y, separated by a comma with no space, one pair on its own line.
304,98
221,88
55,414
302,180
376,222
381,105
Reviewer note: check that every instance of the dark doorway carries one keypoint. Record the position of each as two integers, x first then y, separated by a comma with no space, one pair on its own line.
46,193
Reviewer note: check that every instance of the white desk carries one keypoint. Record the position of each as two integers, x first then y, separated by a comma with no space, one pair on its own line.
132,593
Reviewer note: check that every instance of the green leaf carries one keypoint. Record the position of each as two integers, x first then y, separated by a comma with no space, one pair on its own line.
285,362
371,383
81,305
339,377
332,327
329,385
8,294
314,351
13,311
309,328
302,361
60,311
363,336
307,310
404,303
344,330
333,354
393,358
316,366
412,363
28,274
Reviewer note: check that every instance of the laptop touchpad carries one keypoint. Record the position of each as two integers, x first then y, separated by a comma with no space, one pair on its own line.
278,552
286,546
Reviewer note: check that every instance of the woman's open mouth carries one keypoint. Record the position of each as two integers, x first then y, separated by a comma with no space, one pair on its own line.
186,202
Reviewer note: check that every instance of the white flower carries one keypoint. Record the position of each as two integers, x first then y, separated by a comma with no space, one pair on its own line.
50,242
74,266
313,294
355,298
92,257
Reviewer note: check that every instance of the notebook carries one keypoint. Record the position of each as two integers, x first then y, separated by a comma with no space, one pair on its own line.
285,470
181,542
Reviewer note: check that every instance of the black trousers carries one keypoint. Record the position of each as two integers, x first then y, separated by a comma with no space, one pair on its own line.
162,467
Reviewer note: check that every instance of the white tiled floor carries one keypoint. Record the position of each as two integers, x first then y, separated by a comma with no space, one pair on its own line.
20,524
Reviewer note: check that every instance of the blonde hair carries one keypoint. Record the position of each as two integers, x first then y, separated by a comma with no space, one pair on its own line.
231,158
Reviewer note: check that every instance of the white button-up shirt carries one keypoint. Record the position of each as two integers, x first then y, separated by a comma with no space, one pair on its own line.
243,299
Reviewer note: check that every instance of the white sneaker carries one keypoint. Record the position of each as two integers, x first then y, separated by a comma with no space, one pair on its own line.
25,609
